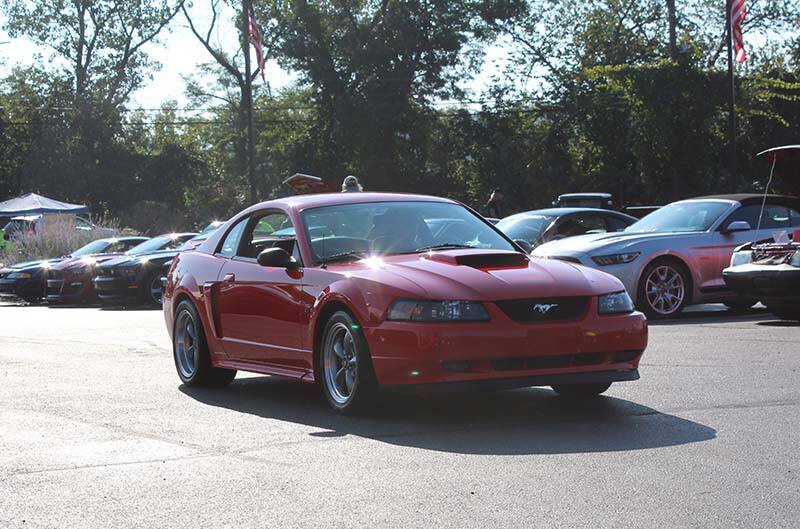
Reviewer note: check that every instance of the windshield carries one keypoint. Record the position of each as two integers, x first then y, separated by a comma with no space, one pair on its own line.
681,216
98,246
527,227
388,228
162,242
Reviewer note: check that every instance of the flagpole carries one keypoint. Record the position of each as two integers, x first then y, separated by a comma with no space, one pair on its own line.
731,98
248,101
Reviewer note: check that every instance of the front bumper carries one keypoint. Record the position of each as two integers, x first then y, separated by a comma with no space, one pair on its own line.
406,353
116,289
23,288
772,284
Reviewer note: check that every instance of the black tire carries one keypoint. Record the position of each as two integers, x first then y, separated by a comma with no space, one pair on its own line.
581,390
361,395
785,313
147,292
185,347
644,299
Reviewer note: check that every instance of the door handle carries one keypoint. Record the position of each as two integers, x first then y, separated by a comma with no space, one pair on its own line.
229,278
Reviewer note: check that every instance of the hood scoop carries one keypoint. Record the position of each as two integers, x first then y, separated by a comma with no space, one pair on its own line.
480,259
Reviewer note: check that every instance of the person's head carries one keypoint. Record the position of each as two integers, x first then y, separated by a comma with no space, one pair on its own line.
350,184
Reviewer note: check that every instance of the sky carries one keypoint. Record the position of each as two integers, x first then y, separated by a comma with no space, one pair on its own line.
179,53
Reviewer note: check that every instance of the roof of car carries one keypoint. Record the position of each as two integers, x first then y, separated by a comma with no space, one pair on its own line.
585,195
300,202
560,212
749,198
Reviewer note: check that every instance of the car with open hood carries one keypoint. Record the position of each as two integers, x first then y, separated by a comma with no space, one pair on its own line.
769,269
358,291
28,280
675,256
136,279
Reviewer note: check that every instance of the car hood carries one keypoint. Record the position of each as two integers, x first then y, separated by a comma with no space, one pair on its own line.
480,275
603,243
79,262
127,260
33,265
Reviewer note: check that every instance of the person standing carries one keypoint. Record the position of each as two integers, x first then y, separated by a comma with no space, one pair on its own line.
493,205
351,185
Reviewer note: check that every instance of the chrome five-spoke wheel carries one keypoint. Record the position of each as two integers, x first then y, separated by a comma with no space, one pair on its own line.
186,344
340,363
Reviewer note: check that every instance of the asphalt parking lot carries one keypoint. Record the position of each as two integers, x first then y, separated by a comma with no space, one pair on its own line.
96,431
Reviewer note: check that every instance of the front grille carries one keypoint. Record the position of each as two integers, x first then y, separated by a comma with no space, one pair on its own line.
544,310
105,272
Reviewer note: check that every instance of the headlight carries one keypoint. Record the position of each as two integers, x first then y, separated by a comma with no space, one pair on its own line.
616,303
743,257
130,271
414,310
795,260
619,258
19,275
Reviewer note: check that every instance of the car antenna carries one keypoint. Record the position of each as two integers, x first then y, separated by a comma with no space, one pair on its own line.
766,191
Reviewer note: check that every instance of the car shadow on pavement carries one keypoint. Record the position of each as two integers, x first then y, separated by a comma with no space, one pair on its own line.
525,421
779,323
714,316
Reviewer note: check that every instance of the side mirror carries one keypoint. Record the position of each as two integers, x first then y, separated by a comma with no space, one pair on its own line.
525,245
277,258
737,225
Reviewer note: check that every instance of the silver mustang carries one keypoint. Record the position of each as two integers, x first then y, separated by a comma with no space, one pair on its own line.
675,255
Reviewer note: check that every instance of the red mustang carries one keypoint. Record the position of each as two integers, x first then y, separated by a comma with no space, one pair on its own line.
359,290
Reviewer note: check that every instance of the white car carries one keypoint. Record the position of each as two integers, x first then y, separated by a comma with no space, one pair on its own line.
675,255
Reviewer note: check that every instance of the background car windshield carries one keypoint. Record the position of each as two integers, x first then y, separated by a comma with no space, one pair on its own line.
97,246
396,227
525,227
162,242
681,216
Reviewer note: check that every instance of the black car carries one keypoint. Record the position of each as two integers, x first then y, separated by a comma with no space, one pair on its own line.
543,225
28,280
136,279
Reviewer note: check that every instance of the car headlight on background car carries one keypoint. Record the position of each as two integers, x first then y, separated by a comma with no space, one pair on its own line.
421,310
743,257
795,260
618,258
19,275
615,303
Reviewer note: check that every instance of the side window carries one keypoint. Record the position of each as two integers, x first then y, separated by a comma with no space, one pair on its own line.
615,224
774,216
268,230
231,243
580,225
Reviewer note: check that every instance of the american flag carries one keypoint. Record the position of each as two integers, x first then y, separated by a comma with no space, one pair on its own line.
738,12
254,34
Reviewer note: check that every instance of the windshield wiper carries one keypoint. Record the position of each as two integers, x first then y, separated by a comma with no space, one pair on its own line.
443,246
344,256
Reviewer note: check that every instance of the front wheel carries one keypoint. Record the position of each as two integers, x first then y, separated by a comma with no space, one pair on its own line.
348,380
153,290
190,351
581,390
663,290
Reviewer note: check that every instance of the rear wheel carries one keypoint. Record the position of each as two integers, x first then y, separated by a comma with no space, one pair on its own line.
581,390
663,289
347,377
190,351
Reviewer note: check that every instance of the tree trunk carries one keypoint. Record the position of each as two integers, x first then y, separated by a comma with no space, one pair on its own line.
672,21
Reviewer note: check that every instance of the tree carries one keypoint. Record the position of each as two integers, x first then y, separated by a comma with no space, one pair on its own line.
100,41
373,68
